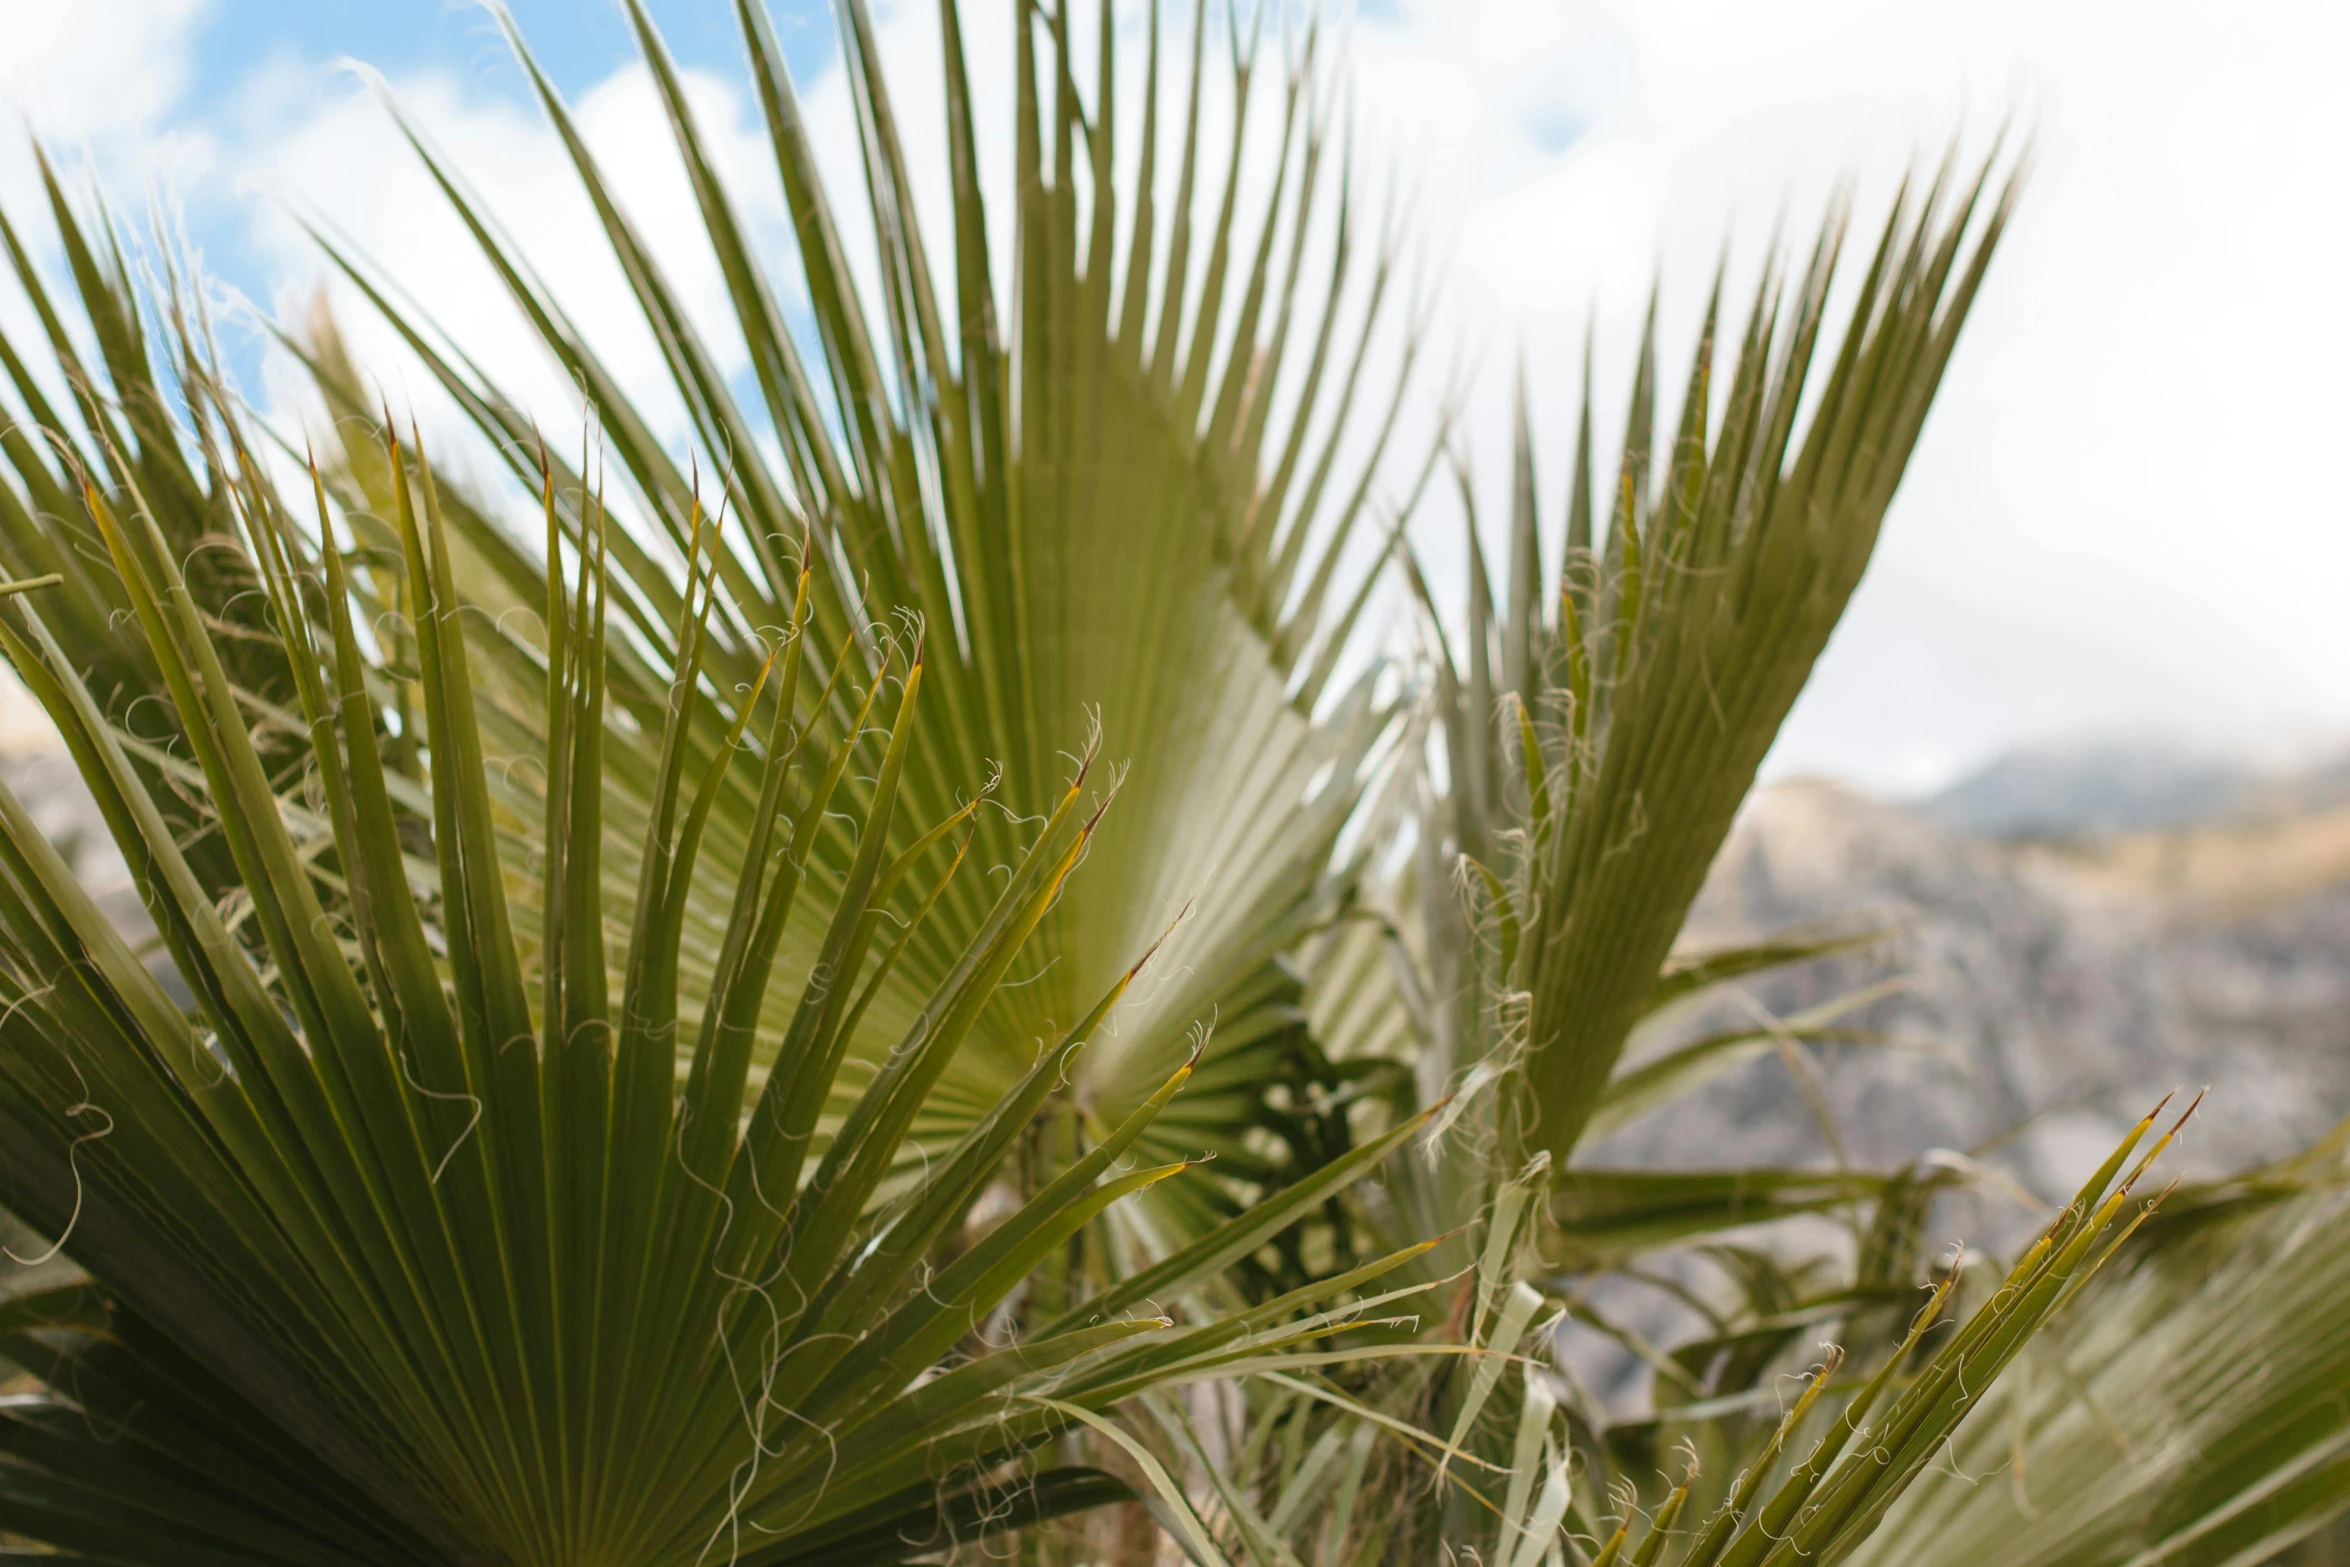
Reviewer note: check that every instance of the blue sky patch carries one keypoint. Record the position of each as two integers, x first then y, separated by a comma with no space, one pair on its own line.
580,42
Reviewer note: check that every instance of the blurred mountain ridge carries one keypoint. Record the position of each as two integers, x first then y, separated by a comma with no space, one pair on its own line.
2104,785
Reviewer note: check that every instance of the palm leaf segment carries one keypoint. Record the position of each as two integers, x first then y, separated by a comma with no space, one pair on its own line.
2190,1413
1131,501
1604,722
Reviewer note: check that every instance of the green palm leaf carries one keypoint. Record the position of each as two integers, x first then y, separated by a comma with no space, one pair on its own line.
418,1216
2191,1412
1117,498
1641,684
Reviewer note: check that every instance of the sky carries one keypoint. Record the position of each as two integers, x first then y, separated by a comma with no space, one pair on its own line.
2119,523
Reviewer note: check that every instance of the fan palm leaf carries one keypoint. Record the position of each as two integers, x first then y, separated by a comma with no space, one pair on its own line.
416,1218
1116,480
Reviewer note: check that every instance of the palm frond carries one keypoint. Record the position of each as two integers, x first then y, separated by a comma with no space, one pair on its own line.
2190,1412
1116,481
1602,733
418,1215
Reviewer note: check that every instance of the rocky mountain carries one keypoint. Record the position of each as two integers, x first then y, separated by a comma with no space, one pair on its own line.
2051,988
2090,788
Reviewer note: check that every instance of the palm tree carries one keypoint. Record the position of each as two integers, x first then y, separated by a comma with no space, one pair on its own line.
637,1060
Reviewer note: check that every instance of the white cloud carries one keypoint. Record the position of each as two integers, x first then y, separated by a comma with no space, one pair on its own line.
96,74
